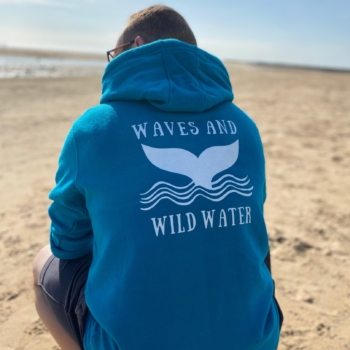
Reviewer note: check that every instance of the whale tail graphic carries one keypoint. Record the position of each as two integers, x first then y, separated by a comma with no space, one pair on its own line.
200,169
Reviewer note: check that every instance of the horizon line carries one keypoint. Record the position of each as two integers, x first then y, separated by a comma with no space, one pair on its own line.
88,55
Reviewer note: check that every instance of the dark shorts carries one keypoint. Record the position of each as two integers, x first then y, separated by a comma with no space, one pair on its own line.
63,283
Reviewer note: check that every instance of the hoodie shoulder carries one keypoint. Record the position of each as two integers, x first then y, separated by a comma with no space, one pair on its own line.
244,117
95,119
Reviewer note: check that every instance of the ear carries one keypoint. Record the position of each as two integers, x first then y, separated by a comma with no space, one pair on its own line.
139,41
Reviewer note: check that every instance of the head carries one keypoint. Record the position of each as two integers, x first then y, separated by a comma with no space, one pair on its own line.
152,24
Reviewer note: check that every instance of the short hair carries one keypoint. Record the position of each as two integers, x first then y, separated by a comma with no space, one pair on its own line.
158,22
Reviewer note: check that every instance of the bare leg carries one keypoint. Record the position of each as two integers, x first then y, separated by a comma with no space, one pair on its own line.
48,318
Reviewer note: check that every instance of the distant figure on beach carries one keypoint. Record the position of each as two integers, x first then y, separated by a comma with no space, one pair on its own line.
158,239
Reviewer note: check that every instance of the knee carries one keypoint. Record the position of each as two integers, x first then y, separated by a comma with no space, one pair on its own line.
39,262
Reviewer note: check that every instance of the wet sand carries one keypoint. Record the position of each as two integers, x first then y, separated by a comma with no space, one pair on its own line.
304,120
53,54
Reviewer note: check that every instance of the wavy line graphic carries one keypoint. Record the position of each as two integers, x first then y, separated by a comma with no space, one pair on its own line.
185,195
166,183
197,195
229,175
191,189
170,191
196,189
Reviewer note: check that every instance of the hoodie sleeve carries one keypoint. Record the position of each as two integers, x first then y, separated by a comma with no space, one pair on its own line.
71,233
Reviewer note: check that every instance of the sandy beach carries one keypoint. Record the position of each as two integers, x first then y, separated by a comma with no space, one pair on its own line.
304,121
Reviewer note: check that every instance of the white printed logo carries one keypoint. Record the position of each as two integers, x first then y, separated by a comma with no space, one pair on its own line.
200,169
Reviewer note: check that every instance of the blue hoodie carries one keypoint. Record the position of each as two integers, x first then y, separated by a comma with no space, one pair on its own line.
164,182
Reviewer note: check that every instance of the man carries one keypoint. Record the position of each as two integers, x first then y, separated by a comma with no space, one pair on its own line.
161,189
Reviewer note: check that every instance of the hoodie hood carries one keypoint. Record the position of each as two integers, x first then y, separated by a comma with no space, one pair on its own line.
171,75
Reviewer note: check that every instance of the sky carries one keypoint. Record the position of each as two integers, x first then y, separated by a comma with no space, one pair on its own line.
301,32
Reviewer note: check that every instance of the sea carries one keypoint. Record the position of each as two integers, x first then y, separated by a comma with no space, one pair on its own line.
48,67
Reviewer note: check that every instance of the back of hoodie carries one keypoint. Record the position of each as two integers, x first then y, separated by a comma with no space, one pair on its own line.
164,182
